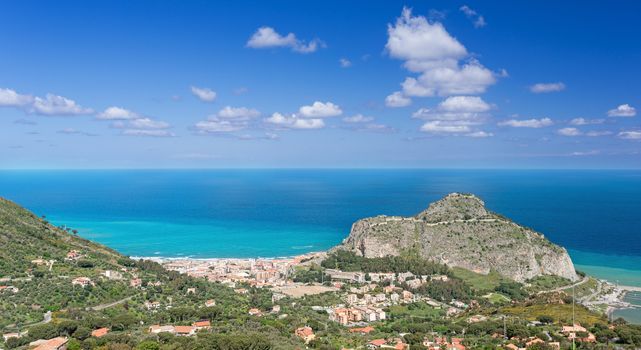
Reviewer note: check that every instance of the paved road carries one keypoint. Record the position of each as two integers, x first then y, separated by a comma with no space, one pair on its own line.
108,305
576,284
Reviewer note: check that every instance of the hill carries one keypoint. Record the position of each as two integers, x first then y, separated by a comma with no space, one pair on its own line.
459,231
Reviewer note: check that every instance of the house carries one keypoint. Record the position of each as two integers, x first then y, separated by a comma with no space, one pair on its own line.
306,333
59,343
376,343
210,303
362,330
275,309
82,281
100,332
255,312
112,275
185,331
204,324
241,291
135,282
73,255
511,346
11,289
191,290
152,305
161,329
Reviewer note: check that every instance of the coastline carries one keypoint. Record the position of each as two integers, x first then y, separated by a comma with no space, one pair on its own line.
608,294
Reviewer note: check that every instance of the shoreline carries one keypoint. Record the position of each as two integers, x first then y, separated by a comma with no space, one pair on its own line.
614,298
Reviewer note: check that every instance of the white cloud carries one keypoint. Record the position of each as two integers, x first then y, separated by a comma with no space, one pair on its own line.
58,105
214,125
541,88
415,39
527,123
345,63
267,37
153,133
583,121
630,135
456,115
598,133
569,132
148,123
294,122
72,131
117,113
457,108
624,110
478,20
10,98
320,110
480,134
238,113
438,126
397,99
471,78
427,48
204,94
358,118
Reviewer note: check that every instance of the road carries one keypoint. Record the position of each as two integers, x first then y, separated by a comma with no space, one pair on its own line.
576,284
108,305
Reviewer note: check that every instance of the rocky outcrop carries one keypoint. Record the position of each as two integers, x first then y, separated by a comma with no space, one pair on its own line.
460,232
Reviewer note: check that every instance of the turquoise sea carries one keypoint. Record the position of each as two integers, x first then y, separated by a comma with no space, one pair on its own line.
251,213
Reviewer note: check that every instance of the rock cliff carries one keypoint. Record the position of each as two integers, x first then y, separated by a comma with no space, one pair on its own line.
460,232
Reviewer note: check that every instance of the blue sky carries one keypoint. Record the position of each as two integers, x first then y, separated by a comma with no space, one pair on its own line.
200,84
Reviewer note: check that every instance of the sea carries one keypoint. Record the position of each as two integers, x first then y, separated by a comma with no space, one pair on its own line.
595,214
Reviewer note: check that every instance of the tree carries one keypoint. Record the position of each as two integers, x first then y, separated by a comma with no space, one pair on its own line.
148,345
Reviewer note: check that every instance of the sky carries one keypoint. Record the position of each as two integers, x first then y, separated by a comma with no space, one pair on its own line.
320,84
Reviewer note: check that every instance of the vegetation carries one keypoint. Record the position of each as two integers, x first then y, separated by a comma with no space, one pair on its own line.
409,262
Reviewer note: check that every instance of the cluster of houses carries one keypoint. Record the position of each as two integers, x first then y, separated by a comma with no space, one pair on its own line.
255,272
351,315
394,343
185,331
441,343
305,333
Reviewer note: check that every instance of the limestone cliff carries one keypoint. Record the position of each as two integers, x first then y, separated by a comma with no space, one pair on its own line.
459,231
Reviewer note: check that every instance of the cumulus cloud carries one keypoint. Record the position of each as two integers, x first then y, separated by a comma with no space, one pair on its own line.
527,123
583,121
569,132
596,133
428,49
267,37
630,135
358,118
204,94
152,133
215,125
345,63
238,113
480,134
148,123
541,88
10,98
320,110
58,105
624,110
477,19
397,99
117,113
455,115
294,122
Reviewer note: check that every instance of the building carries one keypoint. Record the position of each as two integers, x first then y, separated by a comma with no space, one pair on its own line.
135,282
112,275
255,312
185,331
204,324
59,343
306,333
362,330
210,303
82,281
161,329
100,332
